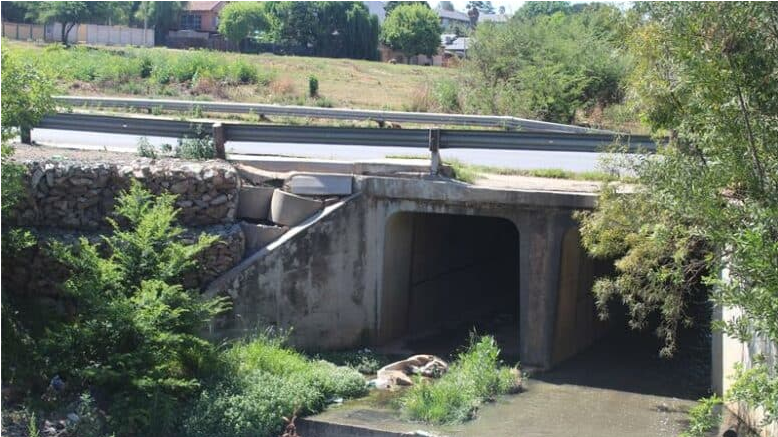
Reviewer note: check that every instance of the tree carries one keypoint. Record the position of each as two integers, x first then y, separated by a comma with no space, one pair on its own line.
69,13
239,20
546,68
330,28
502,10
534,9
26,95
711,199
390,6
163,16
412,29
485,7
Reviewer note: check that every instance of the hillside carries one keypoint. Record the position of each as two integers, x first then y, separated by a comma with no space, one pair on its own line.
264,78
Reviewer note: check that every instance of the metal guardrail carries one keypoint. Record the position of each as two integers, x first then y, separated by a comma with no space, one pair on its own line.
512,123
432,139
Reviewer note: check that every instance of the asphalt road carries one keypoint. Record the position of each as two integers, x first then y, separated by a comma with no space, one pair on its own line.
574,161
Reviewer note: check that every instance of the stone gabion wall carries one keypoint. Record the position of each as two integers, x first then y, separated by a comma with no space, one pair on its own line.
80,195
35,274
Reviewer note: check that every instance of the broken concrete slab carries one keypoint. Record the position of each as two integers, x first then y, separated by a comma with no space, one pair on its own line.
258,235
290,209
321,184
254,202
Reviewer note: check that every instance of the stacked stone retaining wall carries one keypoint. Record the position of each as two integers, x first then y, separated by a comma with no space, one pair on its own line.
81,194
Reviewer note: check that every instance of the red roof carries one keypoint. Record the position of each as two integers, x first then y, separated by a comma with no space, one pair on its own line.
201,6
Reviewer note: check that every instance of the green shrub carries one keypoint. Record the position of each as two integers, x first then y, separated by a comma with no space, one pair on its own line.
446,95
264,382
241,71
200,147
135,336
313,86
475,377
146,149
703,417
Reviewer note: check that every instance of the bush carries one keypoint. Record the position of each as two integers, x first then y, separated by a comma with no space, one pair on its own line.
264,383
135,337
198,148
241,71
475,377
313,86
446,94
146,149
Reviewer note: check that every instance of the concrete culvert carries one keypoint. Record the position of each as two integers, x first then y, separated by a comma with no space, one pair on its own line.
446,276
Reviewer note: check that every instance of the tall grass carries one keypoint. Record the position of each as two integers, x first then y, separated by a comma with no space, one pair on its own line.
267,381
476,376
155,66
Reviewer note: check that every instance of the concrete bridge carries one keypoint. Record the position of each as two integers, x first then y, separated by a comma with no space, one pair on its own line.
405,255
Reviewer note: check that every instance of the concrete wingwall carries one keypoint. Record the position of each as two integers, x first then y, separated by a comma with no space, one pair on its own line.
345,280
726,353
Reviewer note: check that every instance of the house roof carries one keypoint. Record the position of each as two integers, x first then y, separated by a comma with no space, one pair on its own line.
453,15
457,45
201,6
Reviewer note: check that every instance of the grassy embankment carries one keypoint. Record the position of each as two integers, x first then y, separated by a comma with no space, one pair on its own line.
471,172
208,75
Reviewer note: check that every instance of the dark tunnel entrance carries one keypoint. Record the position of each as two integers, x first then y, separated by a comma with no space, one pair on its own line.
445,276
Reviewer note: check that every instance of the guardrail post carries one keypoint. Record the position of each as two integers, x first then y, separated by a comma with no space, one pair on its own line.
434,143
219,139
25,135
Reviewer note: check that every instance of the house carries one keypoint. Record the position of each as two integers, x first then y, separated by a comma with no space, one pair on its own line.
200,16
454,45
450,20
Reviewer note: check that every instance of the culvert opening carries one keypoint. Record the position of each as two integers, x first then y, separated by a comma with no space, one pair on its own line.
446,276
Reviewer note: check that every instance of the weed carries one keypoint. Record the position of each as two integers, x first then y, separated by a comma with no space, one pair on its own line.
146,149
475,377
267,382
703,417
313,86
200,147
32,426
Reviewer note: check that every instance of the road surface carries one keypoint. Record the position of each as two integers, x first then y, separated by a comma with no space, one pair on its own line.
526,159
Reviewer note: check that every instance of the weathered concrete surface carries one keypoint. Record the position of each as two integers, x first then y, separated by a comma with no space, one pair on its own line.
289,209
258,235
254,202
728,351
320,184
332,281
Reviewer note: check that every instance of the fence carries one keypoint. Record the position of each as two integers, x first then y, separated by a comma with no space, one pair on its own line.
81,33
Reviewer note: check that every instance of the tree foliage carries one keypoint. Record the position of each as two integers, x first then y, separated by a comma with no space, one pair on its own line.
330,28
705,73
239,20
412,29
26,94
546,67
137,331
70,13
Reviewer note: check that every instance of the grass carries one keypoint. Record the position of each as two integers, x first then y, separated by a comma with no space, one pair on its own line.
267,381
264,78
470,173
476,376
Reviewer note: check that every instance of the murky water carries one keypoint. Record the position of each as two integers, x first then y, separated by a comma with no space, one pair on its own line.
619,387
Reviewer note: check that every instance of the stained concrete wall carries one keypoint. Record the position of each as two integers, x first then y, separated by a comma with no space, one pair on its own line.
726,353
442,269
332,282
577,325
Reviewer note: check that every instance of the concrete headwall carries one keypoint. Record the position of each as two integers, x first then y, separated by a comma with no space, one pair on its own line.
338,283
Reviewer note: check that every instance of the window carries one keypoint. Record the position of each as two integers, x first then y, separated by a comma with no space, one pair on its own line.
191,22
